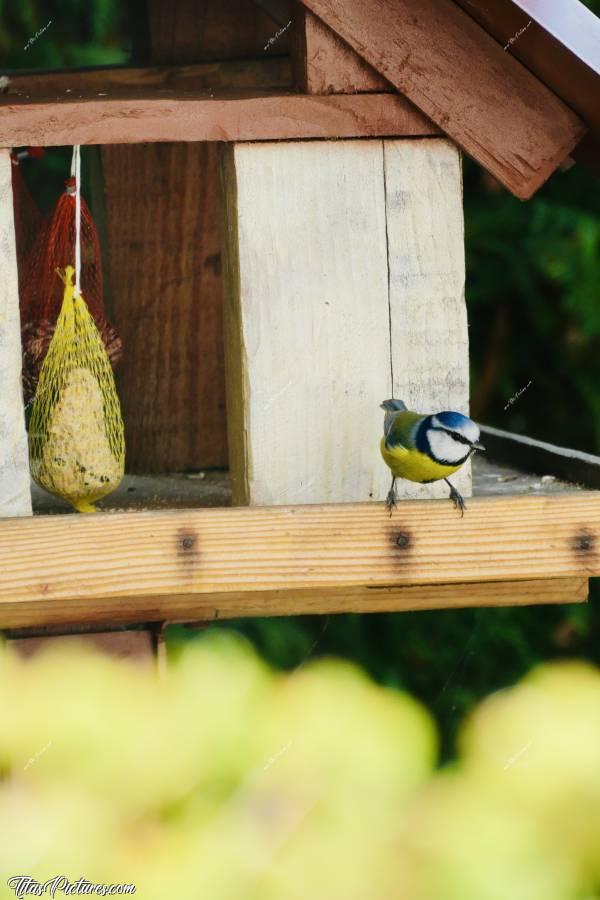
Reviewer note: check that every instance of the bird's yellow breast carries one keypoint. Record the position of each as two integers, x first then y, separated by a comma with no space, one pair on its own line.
414,465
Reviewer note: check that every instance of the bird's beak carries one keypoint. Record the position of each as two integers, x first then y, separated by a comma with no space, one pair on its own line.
477,446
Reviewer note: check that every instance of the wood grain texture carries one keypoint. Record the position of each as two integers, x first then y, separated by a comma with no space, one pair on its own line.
68,563
268,73
235,117
174,608
15,495
382,599
236,384
164,258
331,245
324,64
428,313
560,43
165,255
310,305
458,75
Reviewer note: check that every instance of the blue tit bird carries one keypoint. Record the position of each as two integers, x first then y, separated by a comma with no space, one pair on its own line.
426,448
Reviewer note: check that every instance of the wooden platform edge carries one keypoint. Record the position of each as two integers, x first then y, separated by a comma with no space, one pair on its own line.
247,116
131,567
531,455
22,620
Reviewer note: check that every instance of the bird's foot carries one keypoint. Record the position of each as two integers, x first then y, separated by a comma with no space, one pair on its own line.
457,499
391,500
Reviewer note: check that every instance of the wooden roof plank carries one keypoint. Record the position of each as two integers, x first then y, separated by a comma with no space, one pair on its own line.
552,55
457,74
324,64
244,116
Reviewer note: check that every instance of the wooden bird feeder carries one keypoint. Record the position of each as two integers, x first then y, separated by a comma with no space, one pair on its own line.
331,150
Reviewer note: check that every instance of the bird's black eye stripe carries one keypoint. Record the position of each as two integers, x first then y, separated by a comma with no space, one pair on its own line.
460,437
456,435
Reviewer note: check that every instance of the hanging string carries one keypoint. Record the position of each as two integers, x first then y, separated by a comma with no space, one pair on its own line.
76,174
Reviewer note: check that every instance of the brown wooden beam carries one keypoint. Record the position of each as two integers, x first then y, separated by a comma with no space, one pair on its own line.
324,64
459,76
266,73
239,117
558,42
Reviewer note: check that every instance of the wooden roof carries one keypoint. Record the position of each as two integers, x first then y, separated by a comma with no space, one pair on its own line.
515,84
558,42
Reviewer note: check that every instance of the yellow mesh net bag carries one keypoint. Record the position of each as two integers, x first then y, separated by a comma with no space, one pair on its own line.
76,434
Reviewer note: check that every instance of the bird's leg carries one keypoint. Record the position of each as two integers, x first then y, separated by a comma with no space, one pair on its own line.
392,497
456,498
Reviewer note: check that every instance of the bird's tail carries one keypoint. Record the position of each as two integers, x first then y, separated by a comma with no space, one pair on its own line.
391,407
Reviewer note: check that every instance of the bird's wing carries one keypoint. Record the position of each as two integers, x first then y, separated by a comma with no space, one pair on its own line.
399,429
388,422
391,408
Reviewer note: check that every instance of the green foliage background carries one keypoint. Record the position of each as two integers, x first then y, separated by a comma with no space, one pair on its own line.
222,779
80,33
533,271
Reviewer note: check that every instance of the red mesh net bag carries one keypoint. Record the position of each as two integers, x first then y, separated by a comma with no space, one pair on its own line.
54,249
41,291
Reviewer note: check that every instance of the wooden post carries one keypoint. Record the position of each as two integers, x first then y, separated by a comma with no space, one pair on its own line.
15,494
428,313
344,274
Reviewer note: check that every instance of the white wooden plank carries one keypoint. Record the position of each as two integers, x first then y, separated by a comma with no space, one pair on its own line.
15,495
427,279
314,319
332,247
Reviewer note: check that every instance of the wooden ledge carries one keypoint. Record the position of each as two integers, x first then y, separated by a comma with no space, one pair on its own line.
152,116
187,564
77,616
531,455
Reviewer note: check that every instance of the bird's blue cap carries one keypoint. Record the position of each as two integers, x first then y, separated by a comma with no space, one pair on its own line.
453,420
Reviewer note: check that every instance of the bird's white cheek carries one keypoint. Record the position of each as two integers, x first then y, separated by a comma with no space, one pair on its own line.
445,447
